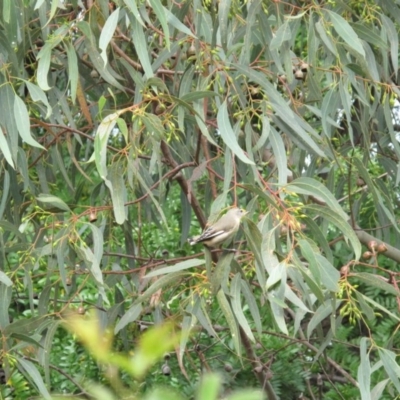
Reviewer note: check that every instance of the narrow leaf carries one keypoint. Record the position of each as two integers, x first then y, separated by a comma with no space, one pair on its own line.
309,186
73,73
30,370
5,279
160,12
23,123
38,94
279,152
237,306
364,371
131,4
107,33
165,280
346,32
195,262
378,282
230,319
171,18
5,149
228,135
391,366
116,184
53,201
282,34
130,316
341,224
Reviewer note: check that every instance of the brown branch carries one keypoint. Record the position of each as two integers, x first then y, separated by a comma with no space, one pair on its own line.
258,367
204,144
184,185
365,238
334,364
129,60
168,174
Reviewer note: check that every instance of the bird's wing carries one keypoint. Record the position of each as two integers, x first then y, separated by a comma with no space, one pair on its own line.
209,233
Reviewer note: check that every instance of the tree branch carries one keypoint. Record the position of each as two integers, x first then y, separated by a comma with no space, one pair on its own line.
258,367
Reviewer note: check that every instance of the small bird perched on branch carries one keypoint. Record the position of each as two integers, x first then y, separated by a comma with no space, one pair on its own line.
222,230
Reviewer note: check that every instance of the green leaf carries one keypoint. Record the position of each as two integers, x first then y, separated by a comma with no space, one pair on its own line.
228,135
22,121
376,392
365,308
367,33
346,32
33,375
252,304
46,351
5,279
237,306
290,295
391,366
310,186
277,273
200,311
364,371
209,388
188,323
323,311
340,223
377,281
94,257
105,70
160,12
224,7
5,301
4,195
393,40
73,72
171,18
44,58
152,346
278,306
282,34
329,274
139,177
309,254
116,183
107,33
25,326
197,95
172,278
195,262
54,201
38,94
130,316
221,272
379,307
247,395
101,142
279,151
131,4
321,29
6,10
230,319
5,149
254,240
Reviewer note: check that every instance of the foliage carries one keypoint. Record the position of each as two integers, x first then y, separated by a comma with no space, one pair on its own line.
120,120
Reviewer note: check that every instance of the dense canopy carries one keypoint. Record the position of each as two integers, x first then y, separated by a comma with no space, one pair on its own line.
126,125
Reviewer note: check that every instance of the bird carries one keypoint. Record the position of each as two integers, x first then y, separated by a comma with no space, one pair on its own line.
222,230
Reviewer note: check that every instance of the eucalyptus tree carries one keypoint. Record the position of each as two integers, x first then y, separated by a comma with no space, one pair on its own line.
126,125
